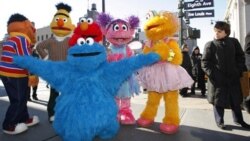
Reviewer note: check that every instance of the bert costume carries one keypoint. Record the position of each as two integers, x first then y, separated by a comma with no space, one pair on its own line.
55,48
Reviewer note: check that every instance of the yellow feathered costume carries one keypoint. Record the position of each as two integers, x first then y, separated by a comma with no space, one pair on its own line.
166,77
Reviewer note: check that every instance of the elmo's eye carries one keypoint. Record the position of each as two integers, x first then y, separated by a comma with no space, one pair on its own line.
90,20
82,20
81,41
116,27
90,41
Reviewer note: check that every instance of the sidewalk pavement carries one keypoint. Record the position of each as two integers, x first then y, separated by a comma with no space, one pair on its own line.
197,122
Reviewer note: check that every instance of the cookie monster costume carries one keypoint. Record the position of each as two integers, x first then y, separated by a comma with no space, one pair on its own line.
88,84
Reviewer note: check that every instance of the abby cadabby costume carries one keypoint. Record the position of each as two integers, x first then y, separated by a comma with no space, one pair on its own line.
119,33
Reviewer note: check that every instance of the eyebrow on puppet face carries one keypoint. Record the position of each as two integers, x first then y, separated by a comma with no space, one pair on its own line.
61,14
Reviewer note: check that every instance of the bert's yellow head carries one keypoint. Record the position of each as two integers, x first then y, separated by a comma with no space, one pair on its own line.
61,25
160,25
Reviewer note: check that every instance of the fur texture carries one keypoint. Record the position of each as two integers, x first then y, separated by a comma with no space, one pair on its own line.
86,28
88,83
159,29
119,33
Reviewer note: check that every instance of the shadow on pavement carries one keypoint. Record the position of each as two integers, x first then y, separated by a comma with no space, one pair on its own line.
45,132
186,133
41,132
41,102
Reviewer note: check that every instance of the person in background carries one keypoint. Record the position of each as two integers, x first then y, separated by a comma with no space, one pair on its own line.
33,80
56,47
197,72
187,65
247,50
15,79
224,62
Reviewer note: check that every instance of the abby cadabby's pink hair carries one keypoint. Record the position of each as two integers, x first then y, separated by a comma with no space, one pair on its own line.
105,20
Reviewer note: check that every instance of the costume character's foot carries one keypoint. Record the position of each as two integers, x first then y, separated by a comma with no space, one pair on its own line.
144,122
32,121
17,129
168,128
126,117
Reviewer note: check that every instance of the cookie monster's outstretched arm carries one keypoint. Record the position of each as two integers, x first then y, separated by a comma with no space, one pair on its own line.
45,69
119,71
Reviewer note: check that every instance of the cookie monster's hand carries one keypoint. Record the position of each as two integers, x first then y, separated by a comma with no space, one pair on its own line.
19,60
162,49
115,57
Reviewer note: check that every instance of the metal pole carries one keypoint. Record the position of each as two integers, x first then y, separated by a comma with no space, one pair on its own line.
103,10
103,5
181,14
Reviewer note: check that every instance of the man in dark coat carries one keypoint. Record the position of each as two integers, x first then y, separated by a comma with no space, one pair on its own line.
223,61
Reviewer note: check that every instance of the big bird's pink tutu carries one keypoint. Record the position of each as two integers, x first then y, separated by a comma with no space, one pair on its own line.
164,76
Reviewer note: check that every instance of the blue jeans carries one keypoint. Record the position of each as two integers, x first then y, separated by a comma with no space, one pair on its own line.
17,111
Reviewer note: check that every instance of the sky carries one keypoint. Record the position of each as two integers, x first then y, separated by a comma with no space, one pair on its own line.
42,11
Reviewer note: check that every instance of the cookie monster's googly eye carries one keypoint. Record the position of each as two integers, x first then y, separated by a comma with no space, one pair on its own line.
90,20
65,20
125,27
116,27
82,20
90,41
81,41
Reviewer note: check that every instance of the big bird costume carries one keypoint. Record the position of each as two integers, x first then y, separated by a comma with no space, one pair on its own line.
165,78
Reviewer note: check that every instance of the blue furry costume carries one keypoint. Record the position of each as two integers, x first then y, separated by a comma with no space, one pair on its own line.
88,84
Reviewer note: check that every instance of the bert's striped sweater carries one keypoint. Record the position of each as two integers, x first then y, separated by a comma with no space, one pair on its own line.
14,45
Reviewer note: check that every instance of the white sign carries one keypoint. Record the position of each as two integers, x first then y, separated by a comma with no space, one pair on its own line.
198,4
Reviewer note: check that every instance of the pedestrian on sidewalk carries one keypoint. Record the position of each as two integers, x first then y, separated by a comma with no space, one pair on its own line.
187,65
33,80
224,62
197,73
15,79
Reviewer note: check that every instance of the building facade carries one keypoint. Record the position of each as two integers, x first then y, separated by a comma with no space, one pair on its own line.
238,16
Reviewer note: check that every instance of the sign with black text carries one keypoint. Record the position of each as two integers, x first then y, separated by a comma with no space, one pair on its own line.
198,4
200,13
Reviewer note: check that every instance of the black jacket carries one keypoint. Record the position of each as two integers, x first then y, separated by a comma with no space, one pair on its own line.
186,63
224,61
